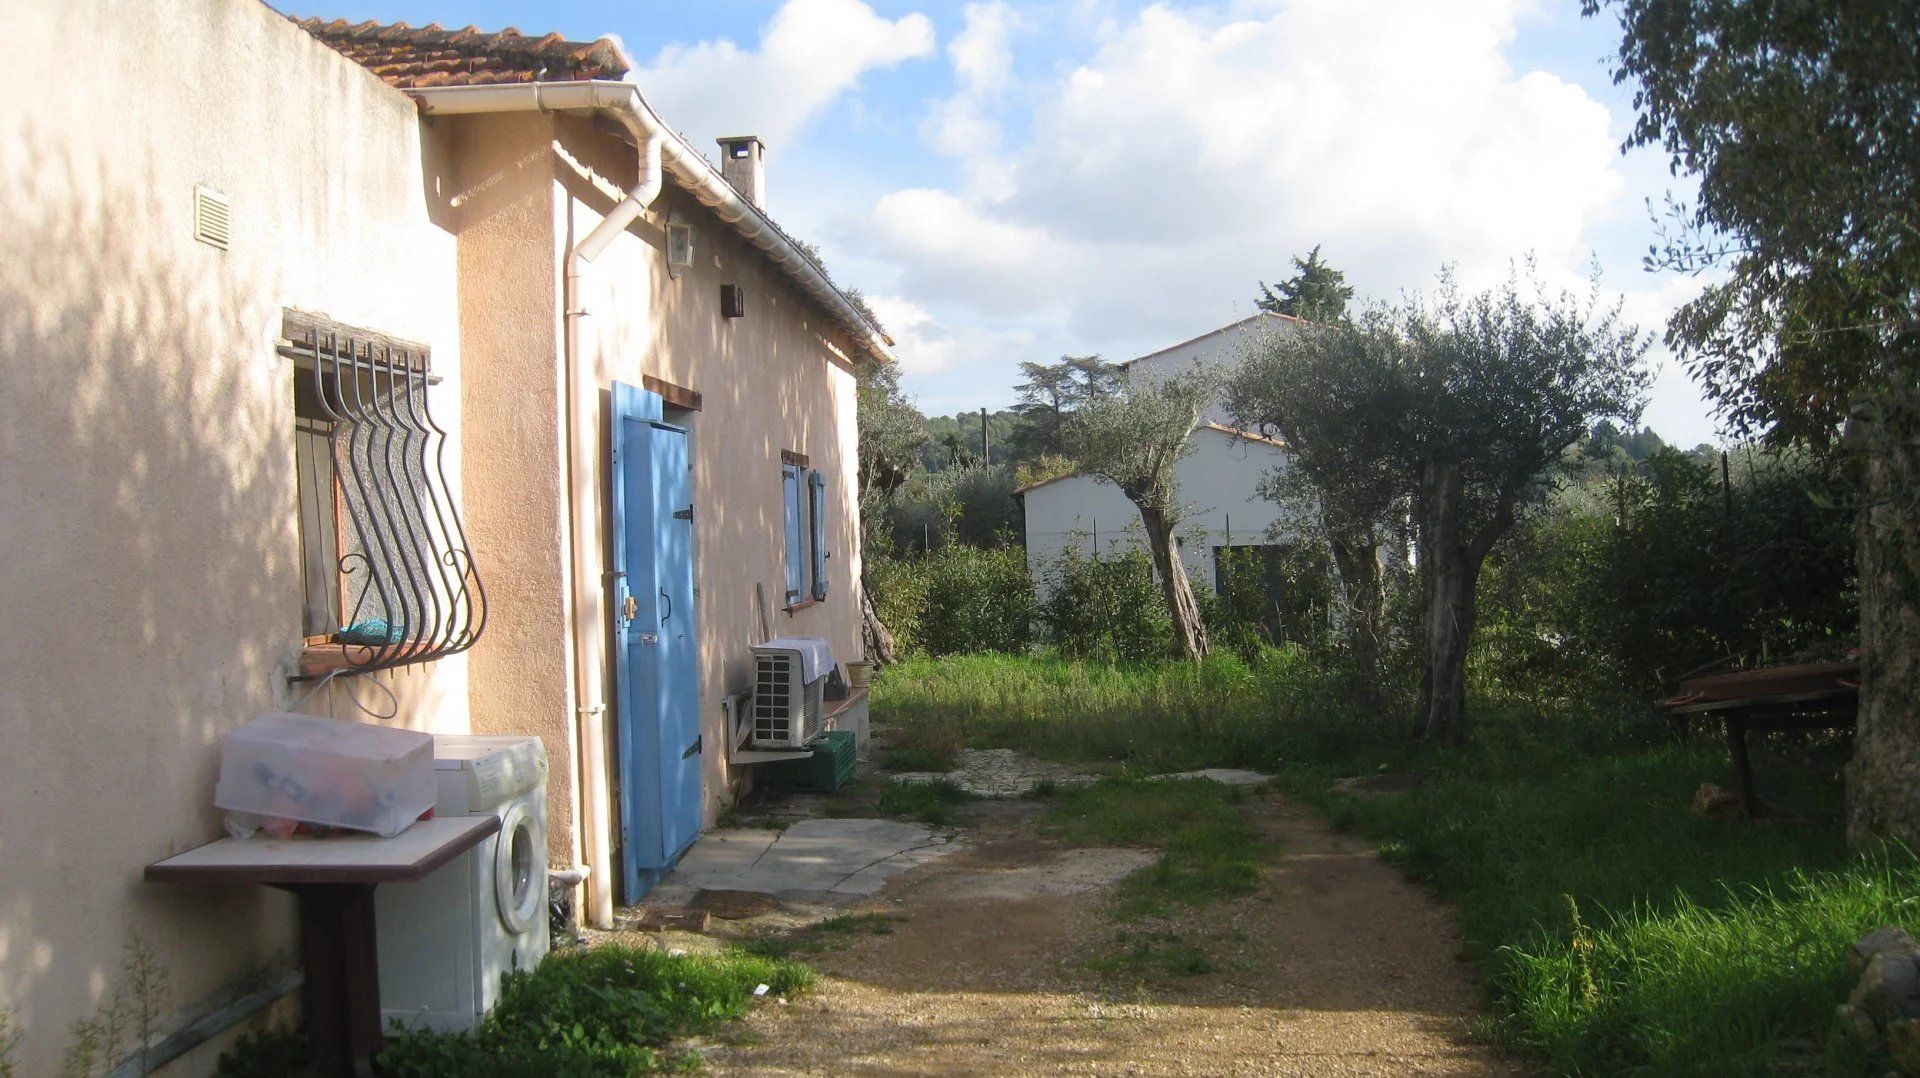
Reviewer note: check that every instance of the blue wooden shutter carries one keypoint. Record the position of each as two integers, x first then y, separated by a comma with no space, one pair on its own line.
790,492
817,517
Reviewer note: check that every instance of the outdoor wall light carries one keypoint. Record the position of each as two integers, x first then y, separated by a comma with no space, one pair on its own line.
679,245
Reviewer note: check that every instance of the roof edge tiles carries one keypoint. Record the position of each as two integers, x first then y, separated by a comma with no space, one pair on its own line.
419,57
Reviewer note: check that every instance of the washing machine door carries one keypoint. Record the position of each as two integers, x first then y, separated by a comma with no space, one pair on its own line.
519,878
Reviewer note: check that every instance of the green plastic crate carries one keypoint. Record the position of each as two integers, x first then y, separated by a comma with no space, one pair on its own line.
828,769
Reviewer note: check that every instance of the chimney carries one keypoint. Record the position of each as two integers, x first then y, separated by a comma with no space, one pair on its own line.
742,163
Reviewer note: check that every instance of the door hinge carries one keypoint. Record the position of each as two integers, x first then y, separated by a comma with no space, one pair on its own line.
693,749
683,514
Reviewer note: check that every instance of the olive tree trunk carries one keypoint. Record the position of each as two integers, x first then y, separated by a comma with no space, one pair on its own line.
1188,631
879,641
1357,559
1883,779
1451,556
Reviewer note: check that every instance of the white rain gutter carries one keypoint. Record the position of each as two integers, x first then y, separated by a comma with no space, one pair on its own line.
658,146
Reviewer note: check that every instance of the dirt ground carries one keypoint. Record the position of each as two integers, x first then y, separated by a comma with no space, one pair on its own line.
1001,963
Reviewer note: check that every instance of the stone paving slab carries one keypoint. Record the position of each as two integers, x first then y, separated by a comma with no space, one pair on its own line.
840,858
1226,776
997,773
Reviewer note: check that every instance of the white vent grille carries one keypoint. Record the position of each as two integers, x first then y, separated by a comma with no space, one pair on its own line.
786,712
212,218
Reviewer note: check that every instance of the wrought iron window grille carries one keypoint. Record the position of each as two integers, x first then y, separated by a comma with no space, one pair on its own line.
405,588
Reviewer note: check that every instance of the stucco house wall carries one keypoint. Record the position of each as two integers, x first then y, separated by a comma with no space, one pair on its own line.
1077,516
774,380
150,594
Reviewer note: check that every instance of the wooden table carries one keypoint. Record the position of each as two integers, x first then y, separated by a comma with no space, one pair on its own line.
1798,697
334,879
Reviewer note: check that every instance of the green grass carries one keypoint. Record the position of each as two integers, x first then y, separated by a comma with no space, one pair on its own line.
932,803
1208,850
1162,717
1700,945
1143,956
612,1011
832,934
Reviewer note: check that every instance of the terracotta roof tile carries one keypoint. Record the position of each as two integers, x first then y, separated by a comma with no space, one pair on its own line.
432,56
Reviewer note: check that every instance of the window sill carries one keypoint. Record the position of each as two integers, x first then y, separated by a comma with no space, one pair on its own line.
328,657
854,696
801,605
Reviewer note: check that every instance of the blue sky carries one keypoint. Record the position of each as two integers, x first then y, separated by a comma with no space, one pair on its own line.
1013,181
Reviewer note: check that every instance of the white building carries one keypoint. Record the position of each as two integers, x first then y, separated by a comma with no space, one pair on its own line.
1080,516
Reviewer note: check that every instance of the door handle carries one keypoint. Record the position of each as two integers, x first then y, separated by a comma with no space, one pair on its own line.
629,608
668,600
693,749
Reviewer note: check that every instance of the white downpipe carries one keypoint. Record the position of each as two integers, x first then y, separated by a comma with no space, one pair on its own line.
589,583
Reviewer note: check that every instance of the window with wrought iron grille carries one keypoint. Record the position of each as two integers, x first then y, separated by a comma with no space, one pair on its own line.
387,575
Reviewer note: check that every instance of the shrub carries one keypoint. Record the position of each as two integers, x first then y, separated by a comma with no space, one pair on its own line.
1108,609
899,590
955,600
976,601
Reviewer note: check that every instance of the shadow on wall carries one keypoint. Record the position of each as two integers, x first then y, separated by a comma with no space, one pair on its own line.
150,578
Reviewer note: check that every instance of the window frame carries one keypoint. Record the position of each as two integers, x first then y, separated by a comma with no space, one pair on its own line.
398,523
803,523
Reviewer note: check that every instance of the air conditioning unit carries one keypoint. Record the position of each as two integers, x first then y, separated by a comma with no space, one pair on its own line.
789,689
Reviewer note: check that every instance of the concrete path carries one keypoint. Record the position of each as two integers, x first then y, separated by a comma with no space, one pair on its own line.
817,860
1225,776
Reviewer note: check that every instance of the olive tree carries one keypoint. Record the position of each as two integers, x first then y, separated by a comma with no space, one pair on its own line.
1132,438
1330,393
1801,123
1455,409
1499,384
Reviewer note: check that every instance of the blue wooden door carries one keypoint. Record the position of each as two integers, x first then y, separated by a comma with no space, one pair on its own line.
657,675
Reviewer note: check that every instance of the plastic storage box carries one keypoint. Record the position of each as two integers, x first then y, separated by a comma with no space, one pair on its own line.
327,771
825,771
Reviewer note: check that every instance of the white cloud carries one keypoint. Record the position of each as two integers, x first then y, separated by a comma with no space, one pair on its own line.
809,53
1189,151
946,246
982,52
927,345
961,126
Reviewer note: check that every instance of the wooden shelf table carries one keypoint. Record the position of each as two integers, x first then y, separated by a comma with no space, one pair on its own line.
1798,697
334,878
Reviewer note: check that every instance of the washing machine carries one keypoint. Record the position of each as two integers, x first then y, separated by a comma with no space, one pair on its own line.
448,941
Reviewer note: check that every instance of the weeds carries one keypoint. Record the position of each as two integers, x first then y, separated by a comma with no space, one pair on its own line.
1162,717
612,1011
1141,956
121,1029
832,934
9,1041
1208,850
1698,944
932,803
933,748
